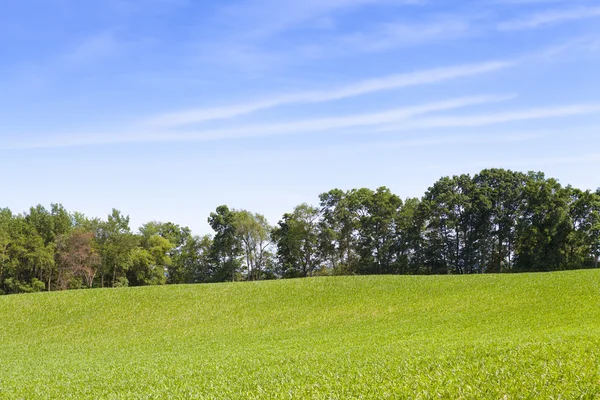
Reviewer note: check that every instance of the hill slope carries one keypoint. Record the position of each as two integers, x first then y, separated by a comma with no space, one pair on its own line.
531,335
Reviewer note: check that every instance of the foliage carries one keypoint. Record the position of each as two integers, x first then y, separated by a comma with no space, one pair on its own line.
494,222
297,239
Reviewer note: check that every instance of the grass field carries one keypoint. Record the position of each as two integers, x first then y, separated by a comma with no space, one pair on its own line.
472,337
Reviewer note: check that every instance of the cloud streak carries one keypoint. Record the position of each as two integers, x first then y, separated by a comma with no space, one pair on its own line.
264,18
396,34
343,122
308,126
550,17
424,77
533,163
467,121
401,119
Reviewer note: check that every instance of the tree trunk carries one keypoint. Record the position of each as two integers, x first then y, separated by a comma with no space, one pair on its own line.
499,254
510,254
248,265
458,268
91,277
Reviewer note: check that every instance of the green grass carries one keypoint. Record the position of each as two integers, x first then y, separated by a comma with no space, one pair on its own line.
473,337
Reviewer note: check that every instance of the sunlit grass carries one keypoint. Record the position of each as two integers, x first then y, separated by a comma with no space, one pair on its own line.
493,336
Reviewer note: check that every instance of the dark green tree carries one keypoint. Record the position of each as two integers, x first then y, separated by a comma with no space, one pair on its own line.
226,248
297,241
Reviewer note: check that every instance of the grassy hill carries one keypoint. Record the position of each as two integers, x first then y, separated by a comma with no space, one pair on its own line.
493,336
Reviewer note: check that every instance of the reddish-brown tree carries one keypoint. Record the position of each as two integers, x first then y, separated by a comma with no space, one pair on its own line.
78,258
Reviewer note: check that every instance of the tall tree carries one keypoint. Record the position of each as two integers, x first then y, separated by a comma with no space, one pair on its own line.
226,247
543,227
378,215
5,239
254,234
297,241
78,259
338,230
500,204
594,228
193,262
117,245
409,237
150,261
179,237
448,210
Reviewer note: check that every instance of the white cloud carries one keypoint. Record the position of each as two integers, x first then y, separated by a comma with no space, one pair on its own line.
534,163
333,123
392,35
262,18
550,17
308,126
445,140
497,118
93,48
360,88
377,146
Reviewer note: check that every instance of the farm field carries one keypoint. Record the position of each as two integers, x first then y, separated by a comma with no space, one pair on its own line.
472,337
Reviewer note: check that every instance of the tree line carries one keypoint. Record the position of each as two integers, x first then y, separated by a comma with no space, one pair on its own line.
494,222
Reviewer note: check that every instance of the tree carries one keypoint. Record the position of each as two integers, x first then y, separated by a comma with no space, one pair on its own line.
28,259
150,261
594,228
543,226
499,203
338,231
409,237
498,221
49,225
449,211
226,247
254,235
5,220
194,263
78,258
117,244
297,241
378,217
178,237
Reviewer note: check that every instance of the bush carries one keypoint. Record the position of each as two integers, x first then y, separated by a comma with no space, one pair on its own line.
121,282
14,286
37,285
76,283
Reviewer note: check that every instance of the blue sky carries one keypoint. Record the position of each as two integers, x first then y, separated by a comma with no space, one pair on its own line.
166,109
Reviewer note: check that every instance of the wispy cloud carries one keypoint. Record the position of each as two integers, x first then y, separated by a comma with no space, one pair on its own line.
92,49
360,88
445,140
497,118
317,125
586,45
308,126
550,17
81,53
451,139
534,163
266,35
262,18
397,34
